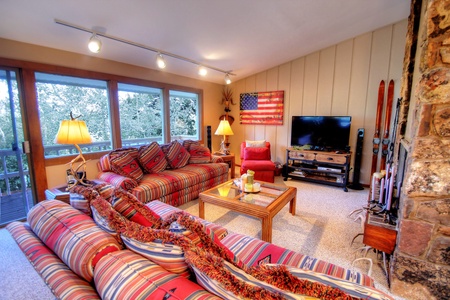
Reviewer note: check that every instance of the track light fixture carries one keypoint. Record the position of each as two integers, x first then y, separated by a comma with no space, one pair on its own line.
202,71
227,79
160,61
95,45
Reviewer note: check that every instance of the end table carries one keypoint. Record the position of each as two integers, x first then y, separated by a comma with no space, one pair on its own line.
58,193
229,159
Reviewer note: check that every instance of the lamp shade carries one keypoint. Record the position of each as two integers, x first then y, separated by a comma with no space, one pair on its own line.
73,132
224,128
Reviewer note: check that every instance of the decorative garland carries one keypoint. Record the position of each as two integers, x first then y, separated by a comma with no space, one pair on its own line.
209,259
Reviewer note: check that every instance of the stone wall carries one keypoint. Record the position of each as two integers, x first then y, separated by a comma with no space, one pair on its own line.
421,262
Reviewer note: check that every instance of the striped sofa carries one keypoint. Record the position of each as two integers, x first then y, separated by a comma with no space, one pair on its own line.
174,173
124,252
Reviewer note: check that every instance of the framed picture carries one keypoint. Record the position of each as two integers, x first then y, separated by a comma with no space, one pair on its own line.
262,108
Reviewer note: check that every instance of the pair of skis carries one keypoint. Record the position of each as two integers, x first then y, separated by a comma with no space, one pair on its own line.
383,187
377,139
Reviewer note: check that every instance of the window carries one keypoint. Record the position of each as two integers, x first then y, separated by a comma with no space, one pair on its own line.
58,96
141,114
184,116
144,113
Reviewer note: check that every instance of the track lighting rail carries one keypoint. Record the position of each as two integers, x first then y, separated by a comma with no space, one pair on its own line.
124,41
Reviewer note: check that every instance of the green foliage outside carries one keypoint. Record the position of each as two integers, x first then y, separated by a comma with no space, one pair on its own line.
141,116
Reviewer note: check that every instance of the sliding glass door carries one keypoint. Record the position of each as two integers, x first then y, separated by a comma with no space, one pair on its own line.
16,197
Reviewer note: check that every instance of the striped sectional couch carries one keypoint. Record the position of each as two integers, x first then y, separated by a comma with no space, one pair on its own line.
128,250
173,173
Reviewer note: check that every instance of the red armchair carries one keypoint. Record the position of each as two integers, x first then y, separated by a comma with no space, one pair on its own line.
257,159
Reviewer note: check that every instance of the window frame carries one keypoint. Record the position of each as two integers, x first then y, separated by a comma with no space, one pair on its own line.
27,71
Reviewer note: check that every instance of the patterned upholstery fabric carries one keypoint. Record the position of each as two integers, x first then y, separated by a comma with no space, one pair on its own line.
126,165
356,291
177,156
60,279
188,143
129,207
126,275
77,201
118,180
199,154
172,186
71,235
353,289
253,252
164,211
152,158
168,256
179,183
220,290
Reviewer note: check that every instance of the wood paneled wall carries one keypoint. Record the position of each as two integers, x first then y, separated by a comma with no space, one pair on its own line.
340,80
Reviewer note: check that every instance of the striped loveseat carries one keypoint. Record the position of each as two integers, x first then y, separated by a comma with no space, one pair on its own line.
173,173
128,250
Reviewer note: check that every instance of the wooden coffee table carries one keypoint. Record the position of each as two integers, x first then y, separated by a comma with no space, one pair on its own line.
264,204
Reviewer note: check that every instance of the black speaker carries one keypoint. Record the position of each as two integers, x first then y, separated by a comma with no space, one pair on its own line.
208,137
355,185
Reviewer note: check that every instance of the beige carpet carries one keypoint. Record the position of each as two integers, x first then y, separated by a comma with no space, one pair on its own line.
320,228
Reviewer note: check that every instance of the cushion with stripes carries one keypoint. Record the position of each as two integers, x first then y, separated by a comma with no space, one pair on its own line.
63,283
199,154
152,158
168,256
127,275
126,165
177,156
71,235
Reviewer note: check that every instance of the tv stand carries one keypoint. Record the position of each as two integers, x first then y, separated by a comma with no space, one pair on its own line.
331,168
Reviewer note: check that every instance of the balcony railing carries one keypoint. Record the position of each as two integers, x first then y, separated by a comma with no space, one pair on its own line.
63,150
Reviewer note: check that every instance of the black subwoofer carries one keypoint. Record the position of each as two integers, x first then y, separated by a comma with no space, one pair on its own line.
355,185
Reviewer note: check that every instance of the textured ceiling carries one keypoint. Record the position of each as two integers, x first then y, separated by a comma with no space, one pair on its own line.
243,36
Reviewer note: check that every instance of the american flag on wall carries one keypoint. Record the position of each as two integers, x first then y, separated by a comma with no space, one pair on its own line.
262,108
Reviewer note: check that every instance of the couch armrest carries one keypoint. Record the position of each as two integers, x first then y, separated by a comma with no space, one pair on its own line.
117,180
216,159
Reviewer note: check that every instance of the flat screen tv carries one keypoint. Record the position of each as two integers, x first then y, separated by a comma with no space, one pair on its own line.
325,133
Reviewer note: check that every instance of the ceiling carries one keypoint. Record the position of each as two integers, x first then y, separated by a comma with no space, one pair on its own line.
242,36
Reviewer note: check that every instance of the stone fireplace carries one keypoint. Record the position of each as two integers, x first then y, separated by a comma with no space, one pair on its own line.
420,267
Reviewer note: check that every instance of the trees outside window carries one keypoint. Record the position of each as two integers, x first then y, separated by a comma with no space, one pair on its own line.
141,114
184,116
141,111
58,96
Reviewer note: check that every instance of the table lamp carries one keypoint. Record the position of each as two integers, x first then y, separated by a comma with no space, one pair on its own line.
225,130
74,132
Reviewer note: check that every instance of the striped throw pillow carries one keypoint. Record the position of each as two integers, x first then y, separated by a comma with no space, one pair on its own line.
199,155
152,158
126,165
177,156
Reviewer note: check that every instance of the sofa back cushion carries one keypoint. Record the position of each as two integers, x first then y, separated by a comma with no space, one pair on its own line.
199,154
152,158
71,235
188,143
127,275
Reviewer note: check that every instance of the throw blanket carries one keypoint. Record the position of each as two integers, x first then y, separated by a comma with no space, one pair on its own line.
209,255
